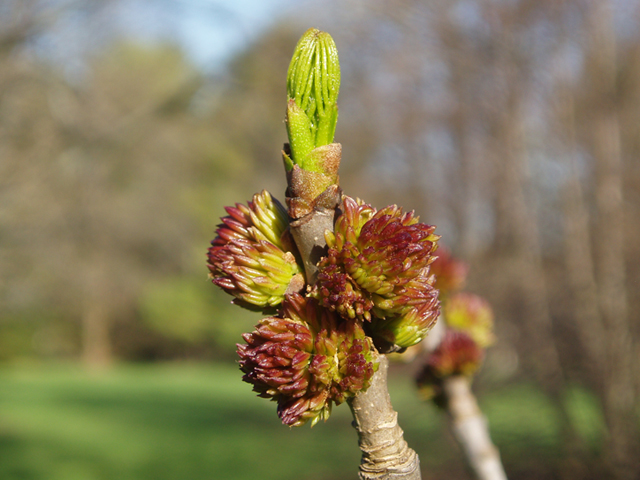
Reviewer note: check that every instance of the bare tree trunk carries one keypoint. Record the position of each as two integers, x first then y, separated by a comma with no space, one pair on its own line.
619,393
578,254
95,321
96,343
521,233
519,225
467,177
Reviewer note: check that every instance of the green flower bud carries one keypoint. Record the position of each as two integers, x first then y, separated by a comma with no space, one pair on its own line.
471,314
306,359
311,159
253,258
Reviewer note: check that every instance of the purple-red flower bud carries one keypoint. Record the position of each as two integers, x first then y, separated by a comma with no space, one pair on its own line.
377,270
253,257
306,359
457,354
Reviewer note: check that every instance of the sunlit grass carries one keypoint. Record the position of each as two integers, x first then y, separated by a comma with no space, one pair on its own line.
201,422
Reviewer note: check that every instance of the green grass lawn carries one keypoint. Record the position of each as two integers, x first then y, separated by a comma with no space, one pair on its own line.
191,422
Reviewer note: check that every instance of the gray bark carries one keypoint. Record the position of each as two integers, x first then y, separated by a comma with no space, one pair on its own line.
385,453
471,430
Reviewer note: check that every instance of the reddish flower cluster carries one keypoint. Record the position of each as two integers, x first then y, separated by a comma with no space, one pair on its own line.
457,354
450,272
373,287
471,314
305,359
253,258
469,324
377,270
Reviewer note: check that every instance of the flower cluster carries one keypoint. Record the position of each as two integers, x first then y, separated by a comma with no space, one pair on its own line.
374,291
305,359
377,270
457,354
253,257
468,320
471,314
450,272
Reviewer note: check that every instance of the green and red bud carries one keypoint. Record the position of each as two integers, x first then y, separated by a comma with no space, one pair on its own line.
311,158
471,314
418,310
253,257
457,354
377,270
306,359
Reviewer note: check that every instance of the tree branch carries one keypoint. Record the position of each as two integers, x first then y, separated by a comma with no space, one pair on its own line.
471,430
308,234
385,453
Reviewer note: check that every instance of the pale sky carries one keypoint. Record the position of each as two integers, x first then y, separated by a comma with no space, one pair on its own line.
210,31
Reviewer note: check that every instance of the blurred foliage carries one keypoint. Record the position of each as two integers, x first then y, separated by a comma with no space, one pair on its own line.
112,191
189,309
